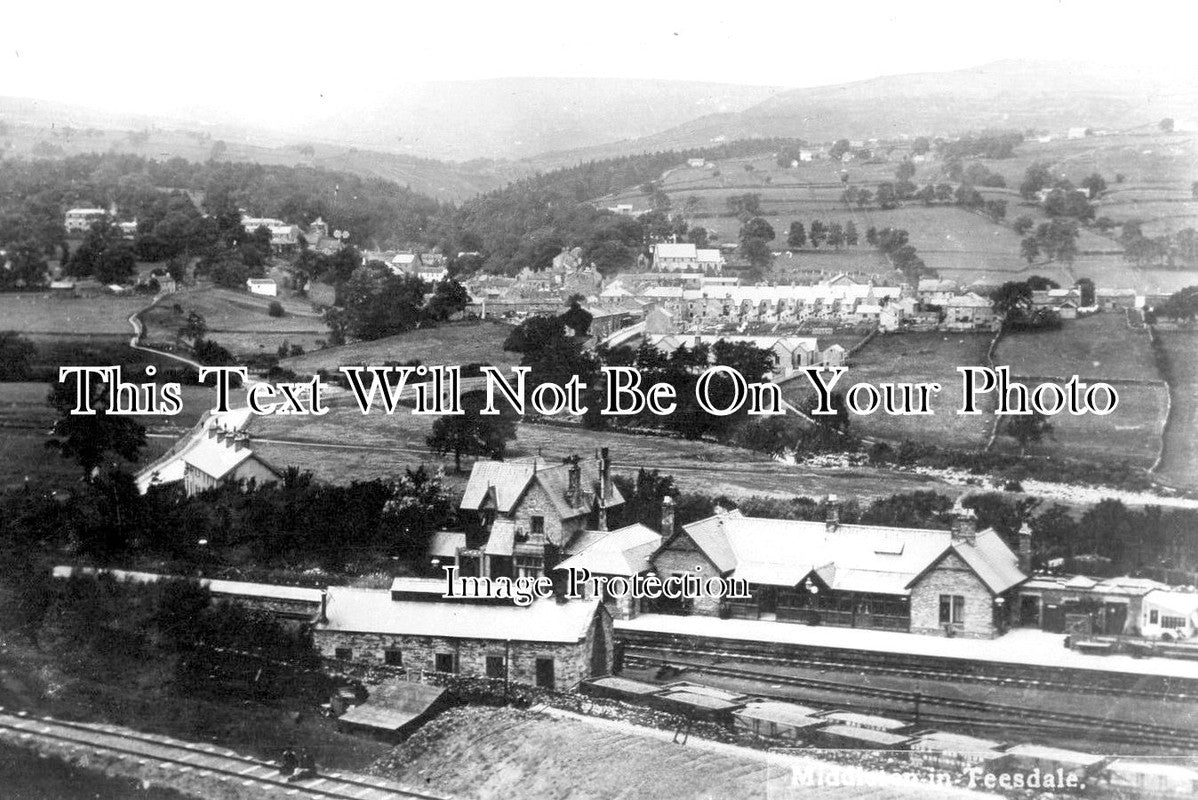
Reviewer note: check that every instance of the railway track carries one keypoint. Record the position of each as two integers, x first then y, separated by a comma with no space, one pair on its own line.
972,713
991,673
197,759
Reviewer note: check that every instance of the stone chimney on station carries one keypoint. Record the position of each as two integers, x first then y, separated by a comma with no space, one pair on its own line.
667,518
831,513
964,523
1025,549
574,487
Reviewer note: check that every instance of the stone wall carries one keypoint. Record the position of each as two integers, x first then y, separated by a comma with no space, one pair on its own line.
952,576
681,557
572,662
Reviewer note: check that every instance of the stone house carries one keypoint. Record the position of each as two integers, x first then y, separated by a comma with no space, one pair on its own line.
957,582
550,644
222,457
530,512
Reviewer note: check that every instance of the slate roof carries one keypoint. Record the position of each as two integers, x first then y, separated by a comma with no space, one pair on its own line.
852,558
624,551
509,480
393,705
373,611
265,591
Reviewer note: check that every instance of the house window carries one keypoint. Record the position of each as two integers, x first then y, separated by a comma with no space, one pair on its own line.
537,525
343,654
393,658
445,662
1152,616
495,667
528,566
952,609
545,673
1173,622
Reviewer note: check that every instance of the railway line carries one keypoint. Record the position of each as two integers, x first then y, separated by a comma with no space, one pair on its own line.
974,714
671,647
180,757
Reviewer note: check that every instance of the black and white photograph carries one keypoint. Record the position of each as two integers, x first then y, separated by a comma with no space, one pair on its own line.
604,401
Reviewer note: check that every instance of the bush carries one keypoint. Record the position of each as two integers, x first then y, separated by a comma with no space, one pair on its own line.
276,309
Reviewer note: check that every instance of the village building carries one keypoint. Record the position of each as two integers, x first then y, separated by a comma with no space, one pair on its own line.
675,257
958,582
529,514
1110,606
284,237
263,286
79,220
1115,299
550,644
222,457
790,353
969,312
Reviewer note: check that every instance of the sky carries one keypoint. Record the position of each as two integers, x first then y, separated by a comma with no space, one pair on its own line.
280,62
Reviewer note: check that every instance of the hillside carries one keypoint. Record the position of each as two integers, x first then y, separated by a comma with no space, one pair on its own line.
1003,94
522,117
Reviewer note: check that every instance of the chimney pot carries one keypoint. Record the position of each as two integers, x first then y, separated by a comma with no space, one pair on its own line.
832,513
667,517
1025,549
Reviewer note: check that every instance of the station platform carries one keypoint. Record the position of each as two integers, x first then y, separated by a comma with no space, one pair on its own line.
1028,646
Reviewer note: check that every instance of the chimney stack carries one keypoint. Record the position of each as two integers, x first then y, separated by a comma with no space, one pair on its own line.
605,486
574,488
831,513
667,518
1025,549
965,523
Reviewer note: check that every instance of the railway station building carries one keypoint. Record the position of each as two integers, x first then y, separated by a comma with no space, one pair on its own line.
958,582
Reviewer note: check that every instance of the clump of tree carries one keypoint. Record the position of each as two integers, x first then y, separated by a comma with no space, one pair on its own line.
988,144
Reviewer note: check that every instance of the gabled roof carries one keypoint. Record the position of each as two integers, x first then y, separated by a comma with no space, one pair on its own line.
373,611
218,457
675,250
624,551
508,481
858,558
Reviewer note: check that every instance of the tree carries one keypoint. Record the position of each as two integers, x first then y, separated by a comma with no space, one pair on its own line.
472,433
1012,298
449,298
836,235
16,356
819,233
905,171
755,236
1023,224
850,233
1028,429
1085,288
1029,249
1036,177
194,328
1095,184
996,210
275,309
1166,125
89,438
116,265
417,506
577,319
887,198
920,145
797,238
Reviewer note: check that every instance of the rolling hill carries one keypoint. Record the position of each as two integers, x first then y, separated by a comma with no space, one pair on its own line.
1004,94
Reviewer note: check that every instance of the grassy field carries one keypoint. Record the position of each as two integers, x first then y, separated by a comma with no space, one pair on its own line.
1100,347
1180,463
915,358
450,344
345,445
26,419
237,320
47,315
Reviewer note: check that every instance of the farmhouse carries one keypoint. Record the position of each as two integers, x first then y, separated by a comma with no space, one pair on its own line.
284,237
969,312
550,644
790,353
956,583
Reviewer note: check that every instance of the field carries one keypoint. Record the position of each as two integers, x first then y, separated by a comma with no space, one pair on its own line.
47,315
1100,347
237,320
915,358
1157,170
1180,463
451,344
26,418
345,445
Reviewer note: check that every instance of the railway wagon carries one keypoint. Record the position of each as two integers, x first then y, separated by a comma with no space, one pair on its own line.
1152,780
953,751
851,737
873,722
1029,757
625,690
698,702
788,722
